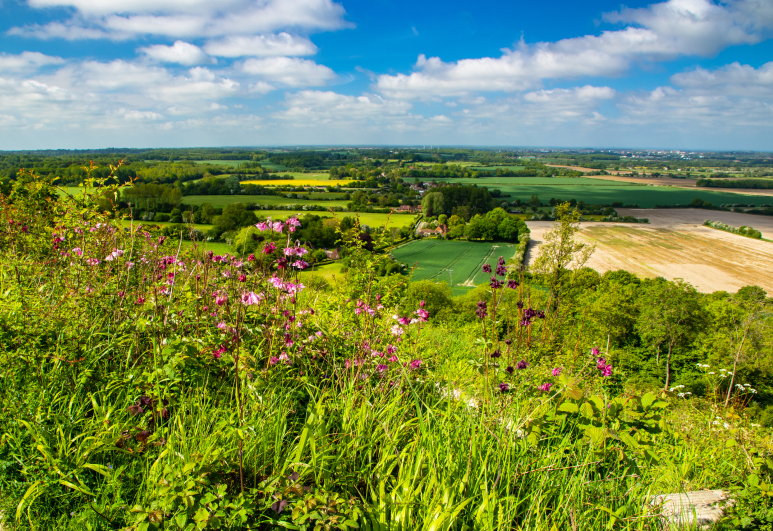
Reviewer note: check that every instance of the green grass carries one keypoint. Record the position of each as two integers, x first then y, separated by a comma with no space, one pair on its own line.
434,259
225,200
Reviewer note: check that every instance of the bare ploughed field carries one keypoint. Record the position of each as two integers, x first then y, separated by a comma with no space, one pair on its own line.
676,245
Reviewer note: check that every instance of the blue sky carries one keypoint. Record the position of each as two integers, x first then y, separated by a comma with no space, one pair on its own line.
679,74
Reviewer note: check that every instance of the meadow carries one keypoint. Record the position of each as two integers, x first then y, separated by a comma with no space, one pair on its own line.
434,259
156,389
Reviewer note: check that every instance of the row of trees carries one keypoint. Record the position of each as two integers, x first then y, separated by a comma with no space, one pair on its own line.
465,201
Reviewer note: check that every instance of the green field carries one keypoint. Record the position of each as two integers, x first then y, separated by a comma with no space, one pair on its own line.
644,196
434,259
372,220
494,168
537,181
325,195
271,200
234,163
270,166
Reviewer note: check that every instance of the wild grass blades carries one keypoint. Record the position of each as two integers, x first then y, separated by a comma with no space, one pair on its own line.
158,388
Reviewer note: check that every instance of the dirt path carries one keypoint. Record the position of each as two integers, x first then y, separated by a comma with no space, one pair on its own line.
676,245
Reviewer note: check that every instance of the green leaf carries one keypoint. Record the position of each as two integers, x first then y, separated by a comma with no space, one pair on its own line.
586,410
730,443
75,487
647,400
568,407
181,519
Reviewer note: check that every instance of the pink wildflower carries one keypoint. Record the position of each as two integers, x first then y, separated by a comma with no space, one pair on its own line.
545,387
249,298
78,251
397,331
556,371
269,248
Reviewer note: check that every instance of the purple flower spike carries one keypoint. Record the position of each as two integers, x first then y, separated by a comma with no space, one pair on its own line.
545,387
521,365
504,387
486,268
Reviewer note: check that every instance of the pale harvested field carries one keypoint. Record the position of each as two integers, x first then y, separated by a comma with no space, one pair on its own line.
679,183
676,245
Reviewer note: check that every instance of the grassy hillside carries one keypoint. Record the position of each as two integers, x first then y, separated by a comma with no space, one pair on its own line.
146,389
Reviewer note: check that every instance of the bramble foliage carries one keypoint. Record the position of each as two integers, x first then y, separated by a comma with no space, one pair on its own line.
147,386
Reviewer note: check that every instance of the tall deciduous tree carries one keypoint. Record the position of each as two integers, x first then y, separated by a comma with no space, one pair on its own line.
560,252
669,316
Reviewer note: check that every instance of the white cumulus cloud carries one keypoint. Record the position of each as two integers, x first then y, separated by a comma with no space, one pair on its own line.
282,44
180,52
659,32
186,18
26,61
289,71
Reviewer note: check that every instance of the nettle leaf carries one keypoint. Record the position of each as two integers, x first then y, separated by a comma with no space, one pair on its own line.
586,410
647,400
568,407
596,434
572,390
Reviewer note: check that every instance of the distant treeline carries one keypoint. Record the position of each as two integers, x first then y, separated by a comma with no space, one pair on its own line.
764,184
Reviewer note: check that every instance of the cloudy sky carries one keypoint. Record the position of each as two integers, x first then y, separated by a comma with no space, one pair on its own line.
680,74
